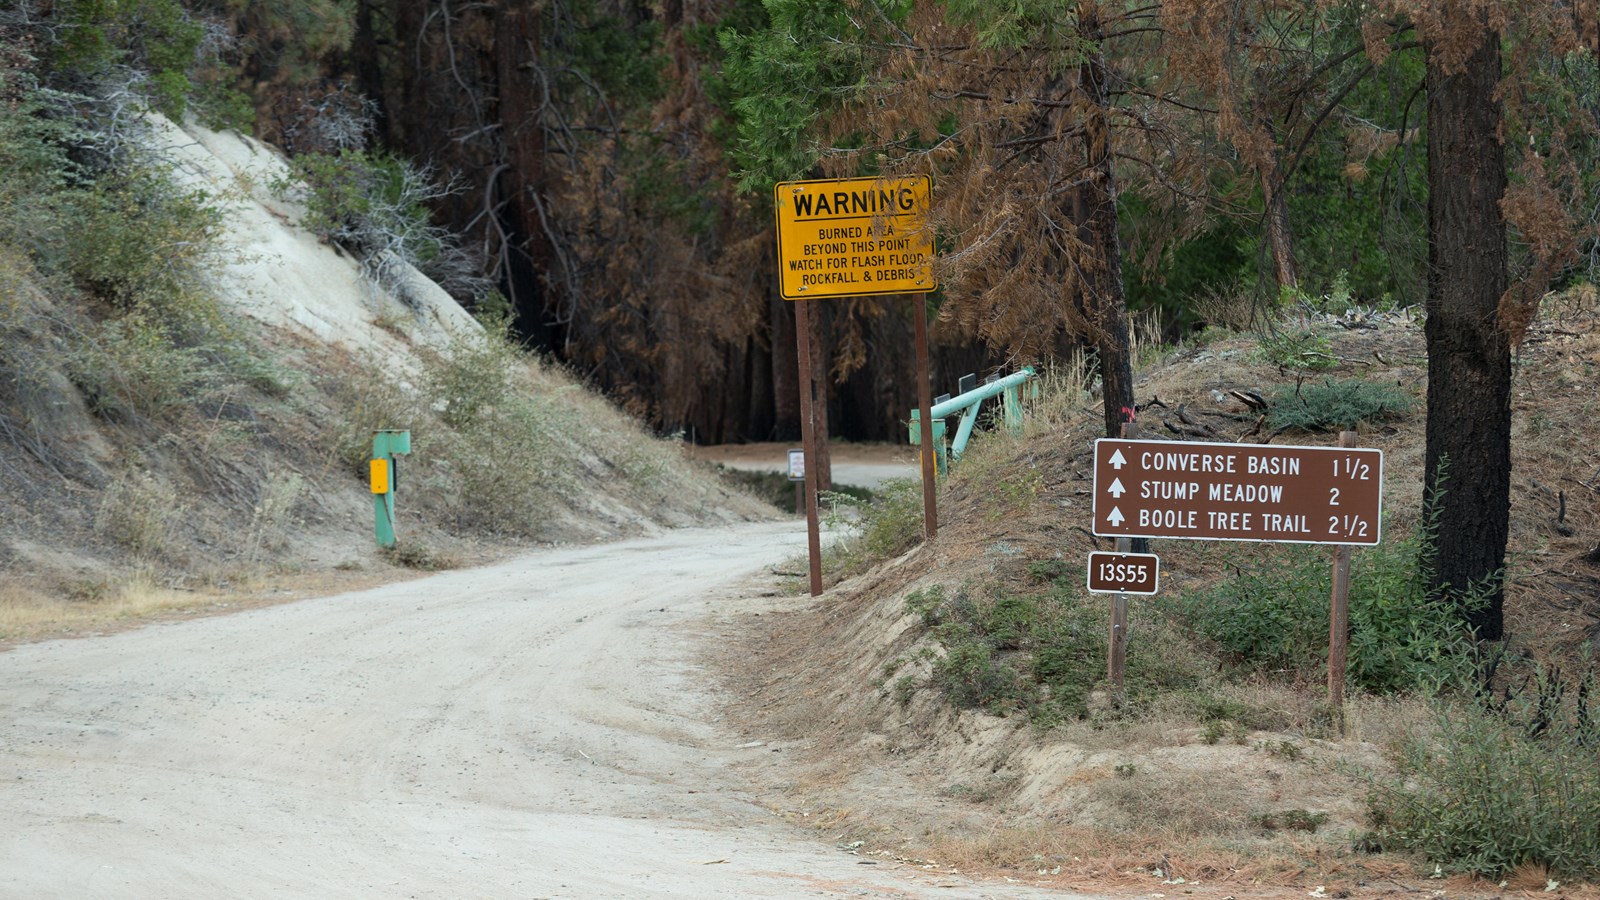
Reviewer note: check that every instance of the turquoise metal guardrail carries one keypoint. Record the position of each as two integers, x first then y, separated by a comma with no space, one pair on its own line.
968,403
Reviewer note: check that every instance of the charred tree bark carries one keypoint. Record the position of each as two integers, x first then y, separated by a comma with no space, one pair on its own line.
520,112
365,52
1469,355
785,371
1274,194
1280,231
1108,305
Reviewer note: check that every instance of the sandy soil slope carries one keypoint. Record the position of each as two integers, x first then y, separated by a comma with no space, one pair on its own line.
534,729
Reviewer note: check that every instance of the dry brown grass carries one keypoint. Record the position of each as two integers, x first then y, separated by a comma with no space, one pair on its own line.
27,612
1191,804
1124,863
34,610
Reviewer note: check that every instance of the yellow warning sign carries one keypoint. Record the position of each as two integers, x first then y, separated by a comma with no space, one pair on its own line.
853,237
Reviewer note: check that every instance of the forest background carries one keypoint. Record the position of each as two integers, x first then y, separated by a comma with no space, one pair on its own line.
604,167
597,172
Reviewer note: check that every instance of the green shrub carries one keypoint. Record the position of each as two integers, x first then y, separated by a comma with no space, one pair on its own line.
136,513
1303,350
368,400
411,554
34,166
507,465
1289,820
507,448
95,38
141,242
131,367
1479,794
473,378
273,513
1272,616
1041,652
770,487
1333,405
887,525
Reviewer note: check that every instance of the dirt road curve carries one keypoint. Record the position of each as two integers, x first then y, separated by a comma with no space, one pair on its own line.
534,729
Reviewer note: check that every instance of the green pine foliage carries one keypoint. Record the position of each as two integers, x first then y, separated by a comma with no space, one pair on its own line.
158,40
810,57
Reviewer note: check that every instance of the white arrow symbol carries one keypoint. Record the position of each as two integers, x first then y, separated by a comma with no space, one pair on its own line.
1117,462
1116,518
1116,489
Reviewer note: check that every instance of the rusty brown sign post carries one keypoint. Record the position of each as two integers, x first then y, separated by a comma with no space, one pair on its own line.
1237,492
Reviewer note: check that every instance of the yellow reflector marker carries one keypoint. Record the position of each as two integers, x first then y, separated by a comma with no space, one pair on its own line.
380,476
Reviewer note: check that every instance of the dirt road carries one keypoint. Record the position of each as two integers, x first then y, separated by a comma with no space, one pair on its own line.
534,729
862,465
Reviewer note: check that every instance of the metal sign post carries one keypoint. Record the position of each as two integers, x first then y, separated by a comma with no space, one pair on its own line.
387,445
1339,616
1117,648
930,490
1120,574
797,474
808,437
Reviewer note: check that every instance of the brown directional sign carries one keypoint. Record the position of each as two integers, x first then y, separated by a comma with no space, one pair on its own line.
1237,492
1124,573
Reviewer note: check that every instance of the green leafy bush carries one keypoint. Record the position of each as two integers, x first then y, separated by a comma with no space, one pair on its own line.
506,464
884,527
35,169
136,513
1289,820
506,449
1272,616
1480,794
1302,350
1333,405
139,241
473,378
369,401
157,40
132,367
1040,652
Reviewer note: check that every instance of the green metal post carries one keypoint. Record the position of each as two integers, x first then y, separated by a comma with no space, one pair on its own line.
1012,404
958,447
386,445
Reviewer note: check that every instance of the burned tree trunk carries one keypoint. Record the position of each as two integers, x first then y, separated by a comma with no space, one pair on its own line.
1108,307
1469,355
